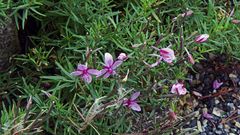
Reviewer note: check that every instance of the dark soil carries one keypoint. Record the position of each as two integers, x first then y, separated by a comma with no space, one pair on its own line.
223,104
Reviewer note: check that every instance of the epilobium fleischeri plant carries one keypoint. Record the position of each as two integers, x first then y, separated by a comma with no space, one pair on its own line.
109,66
132,102
85,73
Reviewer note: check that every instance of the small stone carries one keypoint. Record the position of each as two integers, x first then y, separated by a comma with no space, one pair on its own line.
210,133
233,130
193,123
218,132
237,124
226,130
220,126
217,101
205,123
232,134
227,126
199,126
218,112
231,105
232,76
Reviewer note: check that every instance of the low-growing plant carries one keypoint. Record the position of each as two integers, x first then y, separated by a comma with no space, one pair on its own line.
90,60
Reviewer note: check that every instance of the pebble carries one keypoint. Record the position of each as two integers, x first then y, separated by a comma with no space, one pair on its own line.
218,112
193,123
233,130
205,123
237,124
203,133
226,130
220,126
199,125
217,101
218,132
233,76
231,105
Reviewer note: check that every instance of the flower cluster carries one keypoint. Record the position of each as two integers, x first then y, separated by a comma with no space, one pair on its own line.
165,54
109,68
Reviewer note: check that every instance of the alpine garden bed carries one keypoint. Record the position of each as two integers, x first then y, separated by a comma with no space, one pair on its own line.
122,67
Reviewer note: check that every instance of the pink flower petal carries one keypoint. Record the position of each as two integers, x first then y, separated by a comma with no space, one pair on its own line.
135,95
87,78
207,115
173,89
125,102
217,84
93,72
108,59
167,55
81,67
76,73
106,75
135,106
102,72
182,91
179,89
116,64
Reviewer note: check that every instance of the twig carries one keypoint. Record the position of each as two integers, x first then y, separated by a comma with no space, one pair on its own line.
221,92
229,118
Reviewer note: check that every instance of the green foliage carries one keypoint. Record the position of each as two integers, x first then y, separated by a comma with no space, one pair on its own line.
72,29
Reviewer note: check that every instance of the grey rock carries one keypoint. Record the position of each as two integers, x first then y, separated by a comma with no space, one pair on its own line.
9,42
218,132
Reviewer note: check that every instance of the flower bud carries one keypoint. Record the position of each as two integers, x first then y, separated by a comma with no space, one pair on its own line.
201,38
122,56
234,21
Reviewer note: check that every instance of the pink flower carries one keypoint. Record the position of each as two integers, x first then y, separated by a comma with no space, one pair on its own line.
132,103
85,73
207,115
190,57
110,66
217,84
179,89
201,38
167,55
122,57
